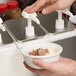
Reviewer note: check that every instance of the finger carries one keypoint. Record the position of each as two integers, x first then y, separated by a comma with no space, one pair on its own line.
41,71
38,5
43,64
43,7
30,7
47,4
50,8
27,8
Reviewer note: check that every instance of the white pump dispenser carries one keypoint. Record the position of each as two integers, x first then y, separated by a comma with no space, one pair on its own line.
59,22
72,17
30,29
67,12
2,28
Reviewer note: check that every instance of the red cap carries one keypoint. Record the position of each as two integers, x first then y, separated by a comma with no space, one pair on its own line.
3,7
12,4
62,14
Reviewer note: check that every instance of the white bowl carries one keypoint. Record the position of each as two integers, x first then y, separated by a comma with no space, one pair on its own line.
49,58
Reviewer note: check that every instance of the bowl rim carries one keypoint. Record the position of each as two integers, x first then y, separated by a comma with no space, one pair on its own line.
47,56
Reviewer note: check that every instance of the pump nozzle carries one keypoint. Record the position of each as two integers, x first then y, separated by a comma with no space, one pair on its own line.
30,29
72,17
1,26
66,11
35,20
31,16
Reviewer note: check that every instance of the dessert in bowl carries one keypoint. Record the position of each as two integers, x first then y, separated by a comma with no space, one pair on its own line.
43,52
46,51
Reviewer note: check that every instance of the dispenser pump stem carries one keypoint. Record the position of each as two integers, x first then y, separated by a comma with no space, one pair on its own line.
29,29
59,15
29,22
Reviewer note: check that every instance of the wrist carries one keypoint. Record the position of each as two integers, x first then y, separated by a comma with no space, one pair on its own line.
74,69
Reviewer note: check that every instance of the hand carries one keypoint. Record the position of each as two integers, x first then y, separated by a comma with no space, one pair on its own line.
48,6
63,67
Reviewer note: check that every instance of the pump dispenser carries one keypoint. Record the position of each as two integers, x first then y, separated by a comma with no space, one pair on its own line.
67,12
59,21
72,17
2,28
29,28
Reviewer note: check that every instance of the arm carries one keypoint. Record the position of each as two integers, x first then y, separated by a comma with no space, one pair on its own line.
48,6
63,67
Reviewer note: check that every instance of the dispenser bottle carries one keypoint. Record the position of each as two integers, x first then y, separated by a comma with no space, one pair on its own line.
3,17
3,11
29,29
2,29
60,21
14,11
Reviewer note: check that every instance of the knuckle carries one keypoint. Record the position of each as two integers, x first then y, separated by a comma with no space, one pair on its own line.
59,6
44,2
41,3
47,0
48,10
38,5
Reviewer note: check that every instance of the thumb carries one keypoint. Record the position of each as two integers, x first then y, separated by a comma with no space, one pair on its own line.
43,64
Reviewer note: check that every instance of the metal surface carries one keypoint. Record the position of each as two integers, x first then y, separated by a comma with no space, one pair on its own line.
48,21
17,27
69,47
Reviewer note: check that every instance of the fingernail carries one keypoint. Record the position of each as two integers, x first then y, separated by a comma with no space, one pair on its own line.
26,8
44,11
35,61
